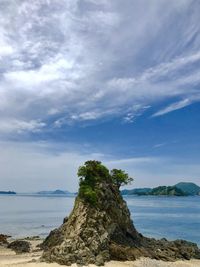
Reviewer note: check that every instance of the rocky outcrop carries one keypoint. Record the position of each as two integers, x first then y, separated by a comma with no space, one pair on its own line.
20,246
103,231
3,240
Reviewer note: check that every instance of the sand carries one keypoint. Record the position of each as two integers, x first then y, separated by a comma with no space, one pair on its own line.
8,258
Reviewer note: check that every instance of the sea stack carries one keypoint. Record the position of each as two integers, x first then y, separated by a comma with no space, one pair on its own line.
100,228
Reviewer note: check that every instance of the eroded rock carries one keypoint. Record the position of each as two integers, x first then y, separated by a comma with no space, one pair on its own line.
96,233
20,246
3,240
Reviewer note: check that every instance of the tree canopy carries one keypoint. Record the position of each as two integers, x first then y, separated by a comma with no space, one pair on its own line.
120,178
93,172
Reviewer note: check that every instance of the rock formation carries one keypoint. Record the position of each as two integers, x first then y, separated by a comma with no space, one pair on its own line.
3,240
20,246
100,228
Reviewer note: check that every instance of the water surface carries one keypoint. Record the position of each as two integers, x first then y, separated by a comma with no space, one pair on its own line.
170,217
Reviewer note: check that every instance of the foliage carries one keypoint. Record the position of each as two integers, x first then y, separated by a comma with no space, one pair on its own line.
86,192
93,172
120,178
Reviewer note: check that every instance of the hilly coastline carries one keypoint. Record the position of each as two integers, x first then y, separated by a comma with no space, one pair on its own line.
180,189
189,188
7,193
42,193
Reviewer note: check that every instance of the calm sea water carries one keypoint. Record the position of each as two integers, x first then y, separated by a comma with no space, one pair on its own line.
170,217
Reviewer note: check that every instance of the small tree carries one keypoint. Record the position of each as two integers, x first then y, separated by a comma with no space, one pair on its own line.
91,173
120,178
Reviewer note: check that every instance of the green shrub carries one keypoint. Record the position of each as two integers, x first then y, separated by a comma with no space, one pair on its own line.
87,193
93,172
120,178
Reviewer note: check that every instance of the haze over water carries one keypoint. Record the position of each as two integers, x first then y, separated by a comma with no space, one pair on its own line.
169,217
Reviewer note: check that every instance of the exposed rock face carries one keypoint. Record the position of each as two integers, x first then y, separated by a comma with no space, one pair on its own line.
85,235
104,231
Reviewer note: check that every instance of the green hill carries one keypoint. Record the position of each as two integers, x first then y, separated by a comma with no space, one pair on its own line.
136,191
189,188
180,189
167,191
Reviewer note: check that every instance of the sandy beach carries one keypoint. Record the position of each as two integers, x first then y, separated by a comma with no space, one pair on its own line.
9,258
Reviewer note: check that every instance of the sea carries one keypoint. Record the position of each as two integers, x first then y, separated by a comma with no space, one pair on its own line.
25,215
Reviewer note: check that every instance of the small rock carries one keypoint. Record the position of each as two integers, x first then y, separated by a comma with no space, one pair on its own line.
99,260
65,219
33,261
20,246
3,240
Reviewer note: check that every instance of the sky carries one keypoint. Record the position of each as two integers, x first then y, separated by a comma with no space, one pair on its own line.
116,81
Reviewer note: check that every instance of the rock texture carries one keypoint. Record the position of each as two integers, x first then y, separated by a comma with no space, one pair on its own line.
20,246
96,234
3,240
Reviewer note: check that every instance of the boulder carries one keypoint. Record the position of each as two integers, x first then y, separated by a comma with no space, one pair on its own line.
3,240
20,246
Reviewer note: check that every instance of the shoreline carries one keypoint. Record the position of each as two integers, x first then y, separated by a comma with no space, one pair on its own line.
8,258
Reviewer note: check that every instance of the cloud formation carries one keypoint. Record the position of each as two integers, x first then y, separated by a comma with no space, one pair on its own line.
173,106
66,62
40,166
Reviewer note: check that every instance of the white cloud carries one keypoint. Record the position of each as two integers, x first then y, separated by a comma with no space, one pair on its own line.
18,126
177,105
52,71
172,107
72,62
159,145
136,160
48,166
156,171
41,165
6,48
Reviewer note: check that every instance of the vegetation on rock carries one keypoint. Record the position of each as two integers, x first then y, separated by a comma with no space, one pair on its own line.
92,173
120,178
100,228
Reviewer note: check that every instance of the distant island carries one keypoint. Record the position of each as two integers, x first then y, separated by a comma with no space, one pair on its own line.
55,192
180,189
189,188
45,192
7,193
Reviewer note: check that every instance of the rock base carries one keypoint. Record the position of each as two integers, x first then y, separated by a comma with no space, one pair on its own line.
104,232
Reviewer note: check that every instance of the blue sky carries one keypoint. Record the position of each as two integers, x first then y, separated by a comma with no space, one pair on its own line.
116,81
